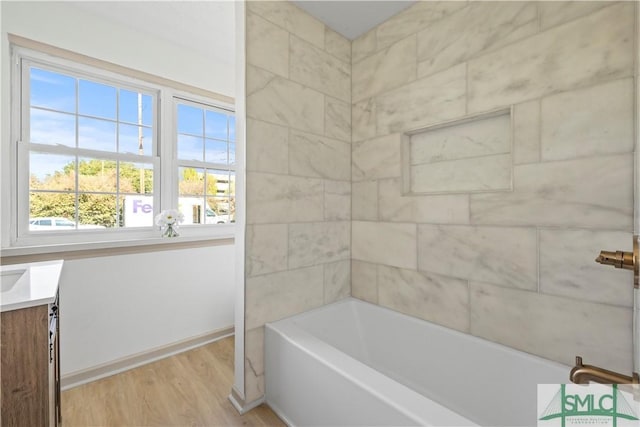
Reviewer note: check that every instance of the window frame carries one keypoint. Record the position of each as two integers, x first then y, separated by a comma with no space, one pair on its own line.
163,158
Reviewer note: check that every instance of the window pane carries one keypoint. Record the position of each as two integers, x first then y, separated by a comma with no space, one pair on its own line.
137,211
45,207
96,210
232,128
64,223
218,210
47,127
216,125
129,140
190,147
97,100
190,120
136,178
51,172
52,90
193,208
96,134
129,104
215,151
97,175
217,182
191,182
219,204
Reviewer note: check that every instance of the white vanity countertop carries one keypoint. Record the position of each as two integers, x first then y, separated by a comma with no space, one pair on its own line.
38,284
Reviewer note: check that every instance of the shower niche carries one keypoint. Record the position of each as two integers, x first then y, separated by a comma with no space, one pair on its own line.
468,155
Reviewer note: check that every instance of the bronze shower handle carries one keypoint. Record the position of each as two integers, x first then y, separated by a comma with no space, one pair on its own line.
625,260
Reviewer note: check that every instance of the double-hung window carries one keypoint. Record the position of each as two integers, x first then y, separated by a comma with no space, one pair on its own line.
97,155
88,144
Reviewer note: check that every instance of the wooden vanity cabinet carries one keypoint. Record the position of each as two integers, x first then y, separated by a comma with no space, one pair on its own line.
30,368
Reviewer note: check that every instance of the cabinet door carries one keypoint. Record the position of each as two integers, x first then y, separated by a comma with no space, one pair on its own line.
25,366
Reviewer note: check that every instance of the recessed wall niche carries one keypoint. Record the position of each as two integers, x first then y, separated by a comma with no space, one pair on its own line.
469,155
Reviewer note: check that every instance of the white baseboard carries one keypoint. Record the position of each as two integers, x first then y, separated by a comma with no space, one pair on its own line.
74,379
280,415
237,400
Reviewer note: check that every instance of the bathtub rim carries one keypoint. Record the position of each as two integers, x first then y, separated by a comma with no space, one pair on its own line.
464,335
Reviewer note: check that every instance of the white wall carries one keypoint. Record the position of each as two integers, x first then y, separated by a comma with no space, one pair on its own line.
80,28
118,306
113,307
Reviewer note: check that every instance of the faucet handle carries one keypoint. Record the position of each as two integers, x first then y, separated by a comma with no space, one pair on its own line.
618,259
625,260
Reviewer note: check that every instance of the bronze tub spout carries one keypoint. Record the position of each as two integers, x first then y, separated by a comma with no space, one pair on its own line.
583,374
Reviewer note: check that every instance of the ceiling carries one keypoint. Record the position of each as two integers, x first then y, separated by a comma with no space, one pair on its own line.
352,18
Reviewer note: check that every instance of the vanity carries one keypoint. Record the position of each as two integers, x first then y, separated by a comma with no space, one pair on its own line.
30,344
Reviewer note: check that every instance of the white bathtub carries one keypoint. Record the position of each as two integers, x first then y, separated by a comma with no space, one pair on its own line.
356,364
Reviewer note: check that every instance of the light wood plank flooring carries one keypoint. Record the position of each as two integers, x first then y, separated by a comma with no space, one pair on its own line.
188,389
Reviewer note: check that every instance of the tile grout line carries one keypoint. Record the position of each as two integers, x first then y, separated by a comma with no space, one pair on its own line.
469,306
324,284
466,88
417,248
538,260
288,268
459,224
377,267
539,126
378,213
351,210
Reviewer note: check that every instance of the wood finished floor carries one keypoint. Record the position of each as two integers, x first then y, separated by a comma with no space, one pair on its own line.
188,389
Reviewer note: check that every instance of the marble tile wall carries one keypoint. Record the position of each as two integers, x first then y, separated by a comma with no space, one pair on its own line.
515,266
326,214
592,49
298,154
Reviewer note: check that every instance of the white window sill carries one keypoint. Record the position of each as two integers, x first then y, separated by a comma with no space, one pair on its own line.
164,242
